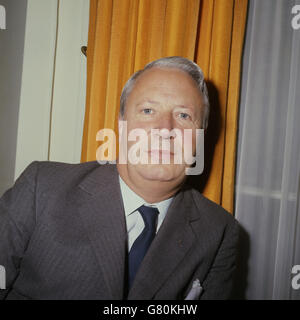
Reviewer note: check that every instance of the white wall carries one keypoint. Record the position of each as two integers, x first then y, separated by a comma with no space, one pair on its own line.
11,61
68,106
42,83
53,83
37,82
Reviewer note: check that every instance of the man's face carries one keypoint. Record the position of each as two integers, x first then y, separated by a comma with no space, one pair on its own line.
163,99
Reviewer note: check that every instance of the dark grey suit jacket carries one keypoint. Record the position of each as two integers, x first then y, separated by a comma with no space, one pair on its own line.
63,236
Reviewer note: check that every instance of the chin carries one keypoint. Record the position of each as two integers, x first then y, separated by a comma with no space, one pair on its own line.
161,172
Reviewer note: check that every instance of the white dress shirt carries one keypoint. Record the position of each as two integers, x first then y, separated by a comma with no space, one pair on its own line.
134,221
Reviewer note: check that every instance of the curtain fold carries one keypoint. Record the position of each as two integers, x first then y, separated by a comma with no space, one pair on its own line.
268,167
124,35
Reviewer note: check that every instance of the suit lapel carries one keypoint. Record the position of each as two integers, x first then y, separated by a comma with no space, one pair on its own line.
101,208
99,201
172,242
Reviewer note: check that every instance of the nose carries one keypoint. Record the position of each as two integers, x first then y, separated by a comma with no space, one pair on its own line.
165,125
165,122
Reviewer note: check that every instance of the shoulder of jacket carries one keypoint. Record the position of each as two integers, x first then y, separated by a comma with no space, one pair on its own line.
211,210
49,174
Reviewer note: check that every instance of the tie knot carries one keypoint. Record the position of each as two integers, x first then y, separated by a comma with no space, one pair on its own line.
149,215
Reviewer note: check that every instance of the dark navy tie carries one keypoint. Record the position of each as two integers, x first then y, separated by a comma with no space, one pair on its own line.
143,241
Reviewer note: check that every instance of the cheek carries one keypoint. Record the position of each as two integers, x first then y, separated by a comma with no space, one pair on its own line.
137,124
137,134
189,146
140,125
187,138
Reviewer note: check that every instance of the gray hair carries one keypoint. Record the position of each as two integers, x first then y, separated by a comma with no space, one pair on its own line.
180,63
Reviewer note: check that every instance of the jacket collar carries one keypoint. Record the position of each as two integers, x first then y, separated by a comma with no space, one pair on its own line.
101,208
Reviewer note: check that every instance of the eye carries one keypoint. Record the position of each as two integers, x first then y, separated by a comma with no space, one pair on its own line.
184,116
147,111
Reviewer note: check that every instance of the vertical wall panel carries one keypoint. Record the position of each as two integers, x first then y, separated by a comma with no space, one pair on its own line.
37,78
68,104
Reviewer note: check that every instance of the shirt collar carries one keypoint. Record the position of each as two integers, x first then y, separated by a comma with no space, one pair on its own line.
132,201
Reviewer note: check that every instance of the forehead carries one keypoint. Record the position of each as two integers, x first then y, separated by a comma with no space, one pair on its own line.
166,83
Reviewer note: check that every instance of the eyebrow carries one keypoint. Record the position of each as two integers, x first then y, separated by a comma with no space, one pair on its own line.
158,103
147,101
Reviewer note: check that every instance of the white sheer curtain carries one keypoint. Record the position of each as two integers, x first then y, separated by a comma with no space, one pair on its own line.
268,167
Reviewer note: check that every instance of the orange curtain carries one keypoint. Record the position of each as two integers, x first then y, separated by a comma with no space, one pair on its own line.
124,35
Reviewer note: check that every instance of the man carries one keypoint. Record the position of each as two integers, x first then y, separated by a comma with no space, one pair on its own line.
125,231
